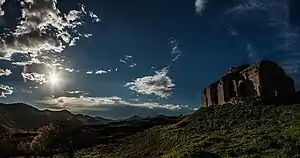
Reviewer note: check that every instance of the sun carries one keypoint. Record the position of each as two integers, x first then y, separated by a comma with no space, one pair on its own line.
53,78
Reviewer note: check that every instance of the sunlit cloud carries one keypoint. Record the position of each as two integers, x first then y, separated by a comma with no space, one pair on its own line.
113,107
43,31
22,63
73,41
89,72
5,90
98,102
35,77
69,70
160,84
77,92
101,72
5,72
1,9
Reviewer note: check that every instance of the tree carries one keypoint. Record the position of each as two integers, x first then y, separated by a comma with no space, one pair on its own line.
42,144
54,138
23,148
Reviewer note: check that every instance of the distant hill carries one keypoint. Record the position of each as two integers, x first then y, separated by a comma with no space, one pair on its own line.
17,117
86,131
248,129
134,117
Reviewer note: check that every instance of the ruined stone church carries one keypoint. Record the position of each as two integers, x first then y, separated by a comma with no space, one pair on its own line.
264,78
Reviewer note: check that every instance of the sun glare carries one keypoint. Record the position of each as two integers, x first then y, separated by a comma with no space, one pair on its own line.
53,78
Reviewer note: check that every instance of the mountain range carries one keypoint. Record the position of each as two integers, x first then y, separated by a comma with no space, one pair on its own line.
22,117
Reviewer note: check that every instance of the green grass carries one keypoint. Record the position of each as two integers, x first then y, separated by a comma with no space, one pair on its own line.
249,130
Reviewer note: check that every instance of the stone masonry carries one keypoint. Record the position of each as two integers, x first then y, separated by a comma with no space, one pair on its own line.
264,79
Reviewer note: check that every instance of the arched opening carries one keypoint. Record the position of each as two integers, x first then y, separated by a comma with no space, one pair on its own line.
246,89
242,89
231,91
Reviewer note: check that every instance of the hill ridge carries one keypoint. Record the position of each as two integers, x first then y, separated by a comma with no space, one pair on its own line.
232,130
20,116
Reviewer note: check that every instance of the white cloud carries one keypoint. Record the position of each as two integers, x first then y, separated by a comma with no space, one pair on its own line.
81,93
30,35
5,72
132,65
200,5
5,90
69,70
89,72
123,61
176,52
79,101
73,15
159,84
1,9
98,102
95,17
22,63
101,72
35,77
87,35
42,31
73,41
127,59
74,92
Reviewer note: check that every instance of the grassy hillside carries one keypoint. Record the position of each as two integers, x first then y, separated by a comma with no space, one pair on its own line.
244,130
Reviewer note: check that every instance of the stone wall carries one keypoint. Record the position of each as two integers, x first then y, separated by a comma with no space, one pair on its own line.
252,75
221,95
210,95
265,79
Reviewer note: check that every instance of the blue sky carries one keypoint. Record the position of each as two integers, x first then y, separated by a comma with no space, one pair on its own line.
116,58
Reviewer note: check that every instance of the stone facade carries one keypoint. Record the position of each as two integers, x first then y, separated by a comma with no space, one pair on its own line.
264,79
